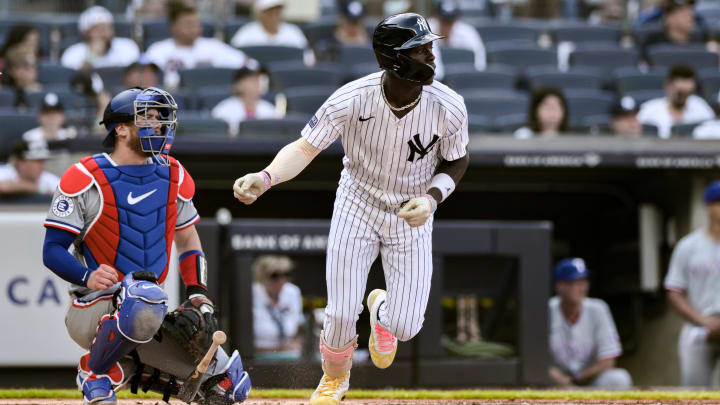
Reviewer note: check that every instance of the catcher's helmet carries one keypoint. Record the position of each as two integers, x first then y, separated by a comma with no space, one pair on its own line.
398,33
133,105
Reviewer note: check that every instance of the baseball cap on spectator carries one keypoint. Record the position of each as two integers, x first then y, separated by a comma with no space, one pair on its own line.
712,192
51,102
262,5
624,106
672,5
352,10
36,150
571,269
93,16
448,9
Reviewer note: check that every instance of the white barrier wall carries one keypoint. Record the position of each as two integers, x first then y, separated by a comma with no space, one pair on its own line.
33,300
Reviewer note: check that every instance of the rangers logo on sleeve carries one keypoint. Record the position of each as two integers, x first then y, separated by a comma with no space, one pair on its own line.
63,206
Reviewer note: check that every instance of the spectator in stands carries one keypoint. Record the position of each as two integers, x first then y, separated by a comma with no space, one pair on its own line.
25,173
100,47
609,12
271,29
146,9
458,34
679,106
623,118
21,76
351,30
584,342
246,101
277,308
141,74
547,116
51,117
679,27
709,129
187,49
692,283
22,40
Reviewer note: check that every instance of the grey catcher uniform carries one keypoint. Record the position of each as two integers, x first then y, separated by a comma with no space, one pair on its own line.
388,160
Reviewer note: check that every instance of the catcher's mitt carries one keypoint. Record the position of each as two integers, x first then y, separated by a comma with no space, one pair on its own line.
191,328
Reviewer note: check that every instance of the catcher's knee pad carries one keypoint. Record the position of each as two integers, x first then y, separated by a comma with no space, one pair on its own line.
141,309
336,362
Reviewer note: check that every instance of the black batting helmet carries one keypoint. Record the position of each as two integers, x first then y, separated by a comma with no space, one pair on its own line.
398,33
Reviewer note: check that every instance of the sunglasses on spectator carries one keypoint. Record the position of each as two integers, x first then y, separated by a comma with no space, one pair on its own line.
279,274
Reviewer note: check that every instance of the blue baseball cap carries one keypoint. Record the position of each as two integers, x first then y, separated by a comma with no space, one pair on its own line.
712,192
571,269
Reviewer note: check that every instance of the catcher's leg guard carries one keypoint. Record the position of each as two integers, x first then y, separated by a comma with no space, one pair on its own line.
336,364
98,388
141,309
234,387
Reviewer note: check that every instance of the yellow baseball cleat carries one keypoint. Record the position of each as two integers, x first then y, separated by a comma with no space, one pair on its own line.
383,345
330,391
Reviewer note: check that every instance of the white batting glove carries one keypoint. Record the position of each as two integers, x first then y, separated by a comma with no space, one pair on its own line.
417,211
249,187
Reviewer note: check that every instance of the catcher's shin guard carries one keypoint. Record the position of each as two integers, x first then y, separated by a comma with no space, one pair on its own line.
96,388
234,386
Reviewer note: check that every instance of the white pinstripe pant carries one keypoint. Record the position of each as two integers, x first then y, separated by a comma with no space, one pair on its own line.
358,232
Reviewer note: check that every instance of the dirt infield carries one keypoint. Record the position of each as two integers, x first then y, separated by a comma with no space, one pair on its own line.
276,401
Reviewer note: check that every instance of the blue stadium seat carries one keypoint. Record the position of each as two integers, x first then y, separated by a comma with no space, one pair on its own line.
494,77
51,74
232,25
457,56
321,29
496,31
14,124
307,100
632,79
683,130
289,126
641,96
495,104
111,76
352,55
268,54
209,97
207,76
607,58
478,124
576,78
522,56
508,123
285,76
586,103
709,80
70,99
7,98
200,125
669,55
579,33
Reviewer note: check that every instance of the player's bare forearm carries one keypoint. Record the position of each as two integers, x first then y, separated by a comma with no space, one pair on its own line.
187,239
291,160
453,168
682,305
596,368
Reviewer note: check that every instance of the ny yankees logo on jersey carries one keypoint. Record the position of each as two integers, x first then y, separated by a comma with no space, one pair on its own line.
418,147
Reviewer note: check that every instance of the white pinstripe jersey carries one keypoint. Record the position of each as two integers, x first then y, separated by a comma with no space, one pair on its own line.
389,159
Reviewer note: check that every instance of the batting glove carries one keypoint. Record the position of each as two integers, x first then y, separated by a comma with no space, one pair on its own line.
417,211
249,187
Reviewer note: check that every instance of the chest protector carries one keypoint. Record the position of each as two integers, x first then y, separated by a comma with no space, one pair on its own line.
136,224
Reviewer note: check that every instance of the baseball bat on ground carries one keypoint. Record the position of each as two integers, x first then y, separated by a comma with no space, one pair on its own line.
191,385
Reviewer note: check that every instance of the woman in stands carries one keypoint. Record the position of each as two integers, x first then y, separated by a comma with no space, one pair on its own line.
547,116
22,39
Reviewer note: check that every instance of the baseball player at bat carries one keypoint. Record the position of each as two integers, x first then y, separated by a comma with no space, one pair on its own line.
405,139
693,285
121,213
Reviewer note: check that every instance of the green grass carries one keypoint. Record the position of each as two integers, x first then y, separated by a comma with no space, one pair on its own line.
412,394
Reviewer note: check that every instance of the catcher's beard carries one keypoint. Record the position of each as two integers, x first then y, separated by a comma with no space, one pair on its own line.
136,146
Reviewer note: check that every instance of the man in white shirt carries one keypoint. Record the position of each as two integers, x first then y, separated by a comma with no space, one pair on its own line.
583,340
187,49
51,117
99,48
246,101
270,29
25,174
458,34
679,106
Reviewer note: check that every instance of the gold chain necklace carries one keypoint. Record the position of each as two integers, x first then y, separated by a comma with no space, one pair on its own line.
382,90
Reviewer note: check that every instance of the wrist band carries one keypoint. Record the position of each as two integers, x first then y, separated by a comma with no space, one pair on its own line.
444,183
433,201
267,178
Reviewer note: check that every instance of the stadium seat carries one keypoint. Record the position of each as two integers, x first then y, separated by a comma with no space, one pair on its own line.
53,75
586,103
595,123
321,29
683,130
200,125
289,126
607,59
667,56
307,100
632,79
285,76
494,31
709,80
14,124
641,96
495,104
233,25
641,34
207,76
111,76
649,129
494,77
522,57
478,124
352,55
273,54
209,97
509,123
70,99
7,98
576,78
586,33
156,30
457,56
